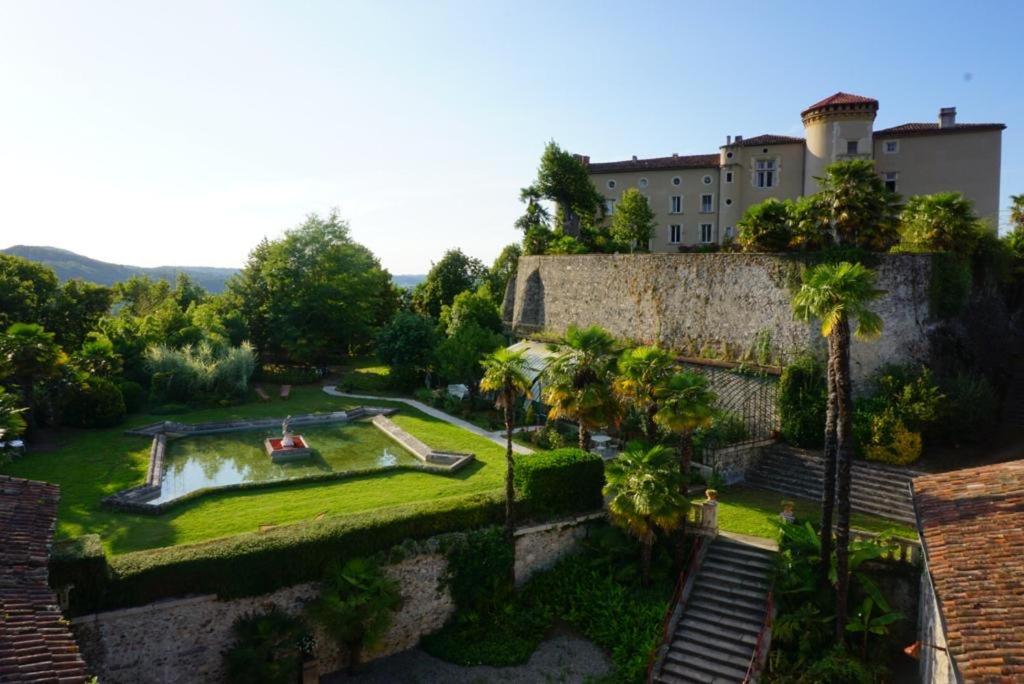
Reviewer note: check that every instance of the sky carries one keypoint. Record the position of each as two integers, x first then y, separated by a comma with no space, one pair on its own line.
183,133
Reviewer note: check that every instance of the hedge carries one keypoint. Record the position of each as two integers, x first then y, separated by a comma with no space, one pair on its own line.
560,481
81,564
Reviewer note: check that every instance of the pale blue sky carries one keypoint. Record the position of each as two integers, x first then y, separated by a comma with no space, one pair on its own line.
183,132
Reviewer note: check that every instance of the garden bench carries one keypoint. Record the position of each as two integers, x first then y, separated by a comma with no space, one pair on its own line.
261,393
286,391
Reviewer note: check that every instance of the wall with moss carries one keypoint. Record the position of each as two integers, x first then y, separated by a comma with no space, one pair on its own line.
722,306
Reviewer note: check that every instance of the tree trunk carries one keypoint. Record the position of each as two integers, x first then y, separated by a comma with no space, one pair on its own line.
650,427
584,438
828,488
646,547
685,455
354,649
844,454
510,492
685,458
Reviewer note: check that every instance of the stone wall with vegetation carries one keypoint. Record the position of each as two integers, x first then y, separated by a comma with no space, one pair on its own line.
182,640
723,306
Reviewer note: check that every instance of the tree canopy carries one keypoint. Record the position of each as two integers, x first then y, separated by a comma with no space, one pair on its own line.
633,221
453,274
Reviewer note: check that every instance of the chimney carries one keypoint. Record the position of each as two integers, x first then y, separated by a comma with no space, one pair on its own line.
675,154
739,139
583,159
634,157
728,140
947,117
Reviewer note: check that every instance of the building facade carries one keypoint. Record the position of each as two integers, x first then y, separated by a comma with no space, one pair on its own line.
699,199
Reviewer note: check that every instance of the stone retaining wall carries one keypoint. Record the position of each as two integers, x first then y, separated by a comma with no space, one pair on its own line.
180,641
710,304
733,462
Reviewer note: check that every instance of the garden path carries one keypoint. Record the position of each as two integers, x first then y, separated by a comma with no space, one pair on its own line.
496,437
564,658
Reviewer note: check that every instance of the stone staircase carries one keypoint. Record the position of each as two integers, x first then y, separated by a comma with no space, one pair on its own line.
717,633
878,489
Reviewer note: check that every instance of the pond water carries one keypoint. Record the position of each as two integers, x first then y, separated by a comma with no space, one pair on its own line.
202,461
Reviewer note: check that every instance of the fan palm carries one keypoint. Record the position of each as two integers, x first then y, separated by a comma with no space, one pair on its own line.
835,294
860,208
578,381
643,486
685,403
508,374
12,423
30,354
642,373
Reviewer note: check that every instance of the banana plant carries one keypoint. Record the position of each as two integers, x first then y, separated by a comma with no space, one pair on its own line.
874,615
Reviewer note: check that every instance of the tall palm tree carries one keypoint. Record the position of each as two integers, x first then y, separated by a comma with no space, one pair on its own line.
643,486
835,294
30,354
642,373
861,210
508,374
12,423
685,403
578,381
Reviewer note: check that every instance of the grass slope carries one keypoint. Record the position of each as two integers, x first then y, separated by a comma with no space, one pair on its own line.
91,464
745,510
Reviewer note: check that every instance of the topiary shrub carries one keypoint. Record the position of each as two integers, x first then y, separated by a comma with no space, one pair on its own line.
557,482
134,395
97,402
802,402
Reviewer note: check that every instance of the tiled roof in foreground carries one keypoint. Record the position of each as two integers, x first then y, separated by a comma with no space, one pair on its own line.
909,129
972,527
35,642
676,161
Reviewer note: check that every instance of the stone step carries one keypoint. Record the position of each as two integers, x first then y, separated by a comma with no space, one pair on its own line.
702,670
743,639
739,607
709,652
735,556
859,491
731,591
801,472
893,510
707,620
721,568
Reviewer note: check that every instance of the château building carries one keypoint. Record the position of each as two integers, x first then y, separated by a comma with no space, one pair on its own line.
698,199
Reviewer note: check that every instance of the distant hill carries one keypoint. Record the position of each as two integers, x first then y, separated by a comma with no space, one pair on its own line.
407,282
69,265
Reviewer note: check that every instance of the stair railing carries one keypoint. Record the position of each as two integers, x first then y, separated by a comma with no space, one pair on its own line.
674,604
755,660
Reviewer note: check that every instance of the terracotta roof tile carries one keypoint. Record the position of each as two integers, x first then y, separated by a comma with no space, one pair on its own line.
692,161
840,98
769,139
35,642
910,129
972,526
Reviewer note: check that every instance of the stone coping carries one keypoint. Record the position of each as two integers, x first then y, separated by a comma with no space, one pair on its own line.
137,499
447,460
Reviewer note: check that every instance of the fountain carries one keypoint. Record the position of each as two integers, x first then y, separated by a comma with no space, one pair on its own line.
288,447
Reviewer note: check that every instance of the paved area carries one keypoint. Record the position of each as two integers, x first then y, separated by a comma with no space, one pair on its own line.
496,437
565,658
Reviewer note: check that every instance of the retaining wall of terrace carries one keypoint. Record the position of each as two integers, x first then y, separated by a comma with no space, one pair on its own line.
731,306
182,640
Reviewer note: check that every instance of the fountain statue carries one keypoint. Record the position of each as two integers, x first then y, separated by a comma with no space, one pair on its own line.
286,433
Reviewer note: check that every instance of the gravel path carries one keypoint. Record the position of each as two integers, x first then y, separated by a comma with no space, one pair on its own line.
565,658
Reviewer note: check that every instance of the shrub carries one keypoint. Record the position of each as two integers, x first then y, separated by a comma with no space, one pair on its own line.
765,227
134,396
943,222
253,564
205,371
562,481
267,648
910,393
97,402
891,441
81,564
280,374
802,402
479,569
970,411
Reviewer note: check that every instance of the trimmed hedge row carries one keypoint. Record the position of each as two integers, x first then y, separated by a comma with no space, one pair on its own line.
257,563
561,481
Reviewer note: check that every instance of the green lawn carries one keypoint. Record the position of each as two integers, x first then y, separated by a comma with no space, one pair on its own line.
745,510
90,464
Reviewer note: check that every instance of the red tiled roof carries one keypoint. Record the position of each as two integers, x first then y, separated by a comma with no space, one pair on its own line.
840,98
769,139
693,161
35,642
972,527
909,129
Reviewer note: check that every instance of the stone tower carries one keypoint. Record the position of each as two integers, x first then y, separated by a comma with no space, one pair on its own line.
838,127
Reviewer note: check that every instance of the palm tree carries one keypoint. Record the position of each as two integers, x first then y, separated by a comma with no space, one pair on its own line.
578,381
943,222
835,294
642,373
685,403
12,423
355,605
507,373
30,354
643,486
860,208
